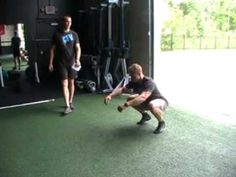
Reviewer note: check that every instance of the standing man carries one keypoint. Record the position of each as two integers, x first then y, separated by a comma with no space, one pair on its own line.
66,50
15,43
146,97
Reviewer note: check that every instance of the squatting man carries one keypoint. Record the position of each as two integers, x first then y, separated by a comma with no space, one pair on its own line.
145,97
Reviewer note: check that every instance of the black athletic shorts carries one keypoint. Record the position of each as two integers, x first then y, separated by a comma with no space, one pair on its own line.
66,72
16,53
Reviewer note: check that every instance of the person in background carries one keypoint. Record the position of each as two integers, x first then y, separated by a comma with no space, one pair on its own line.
66,50
145,97
15,43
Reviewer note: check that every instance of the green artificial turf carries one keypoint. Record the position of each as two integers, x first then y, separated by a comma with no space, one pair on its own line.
97,141
7,62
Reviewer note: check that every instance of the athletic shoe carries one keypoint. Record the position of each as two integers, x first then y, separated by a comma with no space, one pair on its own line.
67,110
72,106
160,128
144,119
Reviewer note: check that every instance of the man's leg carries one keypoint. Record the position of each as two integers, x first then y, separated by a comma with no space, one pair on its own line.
157,108
15,62
66,95
157,112
19,62
72,74
71,92
142,109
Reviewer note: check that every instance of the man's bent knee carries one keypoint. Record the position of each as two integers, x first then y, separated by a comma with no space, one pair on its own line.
131,97
160,103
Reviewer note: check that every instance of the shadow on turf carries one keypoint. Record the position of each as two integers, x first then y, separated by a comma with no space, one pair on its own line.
133,131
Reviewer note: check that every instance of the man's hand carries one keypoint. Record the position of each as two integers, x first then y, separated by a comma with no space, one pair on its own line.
107,99
77,62
120,108
50,67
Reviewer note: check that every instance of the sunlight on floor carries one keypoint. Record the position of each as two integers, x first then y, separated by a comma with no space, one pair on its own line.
200,81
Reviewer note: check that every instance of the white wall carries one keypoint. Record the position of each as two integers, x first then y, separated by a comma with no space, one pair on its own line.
6,38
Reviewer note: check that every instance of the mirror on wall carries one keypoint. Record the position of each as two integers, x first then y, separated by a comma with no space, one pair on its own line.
13,52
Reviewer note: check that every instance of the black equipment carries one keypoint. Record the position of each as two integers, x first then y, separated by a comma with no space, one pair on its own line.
105,48
91,34
123,48
86,85
109,49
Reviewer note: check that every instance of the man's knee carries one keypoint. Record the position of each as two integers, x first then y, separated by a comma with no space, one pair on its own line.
158,104
131,97
151,107
155,108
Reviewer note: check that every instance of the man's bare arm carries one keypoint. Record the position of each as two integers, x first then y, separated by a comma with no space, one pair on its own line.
78,53
51,58
136,101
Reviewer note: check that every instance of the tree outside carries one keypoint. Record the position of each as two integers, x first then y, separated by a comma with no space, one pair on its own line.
200,24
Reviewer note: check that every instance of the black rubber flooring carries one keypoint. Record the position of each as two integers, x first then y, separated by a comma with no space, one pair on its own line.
23,91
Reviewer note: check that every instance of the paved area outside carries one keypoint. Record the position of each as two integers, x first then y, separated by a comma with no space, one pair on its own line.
201,81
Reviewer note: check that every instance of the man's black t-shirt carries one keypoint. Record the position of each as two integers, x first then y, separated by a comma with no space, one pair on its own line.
147,84
65,43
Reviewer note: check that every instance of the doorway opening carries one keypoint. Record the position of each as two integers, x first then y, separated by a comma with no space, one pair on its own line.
198,80
6,55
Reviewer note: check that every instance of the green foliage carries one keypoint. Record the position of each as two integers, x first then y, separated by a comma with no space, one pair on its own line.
187,7
192,17
200,18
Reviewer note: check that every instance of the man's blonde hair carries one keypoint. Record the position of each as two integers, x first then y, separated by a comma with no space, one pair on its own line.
135,68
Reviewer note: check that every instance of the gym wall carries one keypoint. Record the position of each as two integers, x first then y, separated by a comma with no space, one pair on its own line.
39,25
138,34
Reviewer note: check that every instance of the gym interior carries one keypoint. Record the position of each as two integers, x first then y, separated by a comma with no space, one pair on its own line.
99,142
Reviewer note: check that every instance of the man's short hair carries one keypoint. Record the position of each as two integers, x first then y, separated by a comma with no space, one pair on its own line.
135,68
63,18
